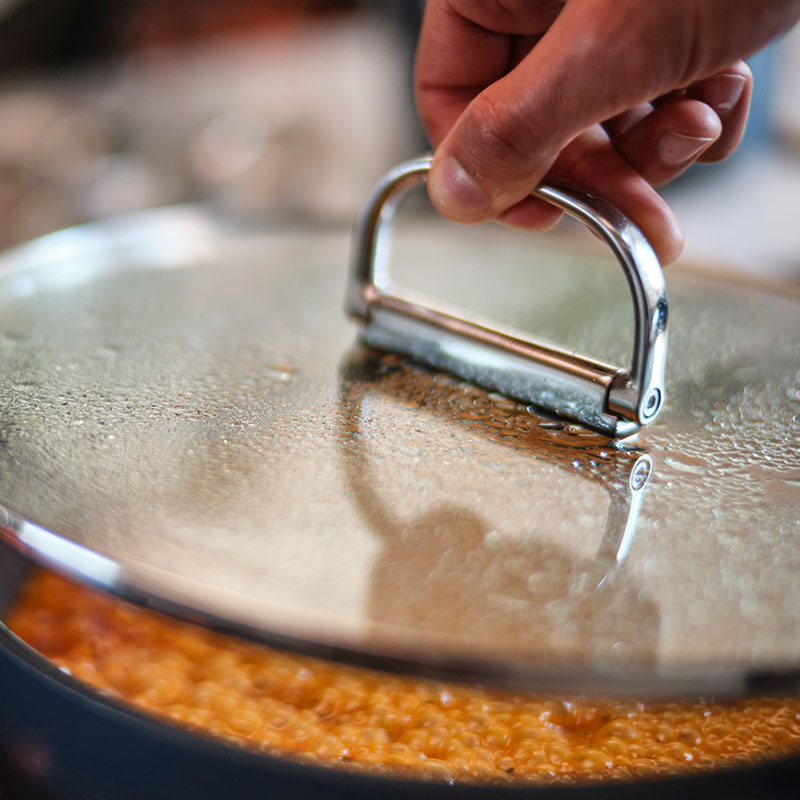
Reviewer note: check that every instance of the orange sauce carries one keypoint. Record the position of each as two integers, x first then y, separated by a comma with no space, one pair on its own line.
295,706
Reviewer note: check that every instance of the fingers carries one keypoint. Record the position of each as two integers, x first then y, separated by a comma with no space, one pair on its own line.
509,89
592,162
650,146
729,93
702,123
531,214
504,139
669,139
510,133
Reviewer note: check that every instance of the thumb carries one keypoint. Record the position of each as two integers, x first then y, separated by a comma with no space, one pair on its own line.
592,63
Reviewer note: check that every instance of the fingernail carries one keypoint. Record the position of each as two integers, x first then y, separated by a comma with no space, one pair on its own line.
455,193
675,150
722,92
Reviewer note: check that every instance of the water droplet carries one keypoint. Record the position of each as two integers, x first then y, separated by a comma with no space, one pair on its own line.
538,580
756,609
502,401
551,425
282,371
620,652
684,466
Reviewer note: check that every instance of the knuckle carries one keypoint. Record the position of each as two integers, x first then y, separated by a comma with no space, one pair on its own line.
697,118
498,137
496,13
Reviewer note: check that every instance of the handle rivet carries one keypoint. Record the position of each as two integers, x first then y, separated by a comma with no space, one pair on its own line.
652,403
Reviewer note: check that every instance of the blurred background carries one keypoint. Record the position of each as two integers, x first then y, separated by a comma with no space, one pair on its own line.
287,109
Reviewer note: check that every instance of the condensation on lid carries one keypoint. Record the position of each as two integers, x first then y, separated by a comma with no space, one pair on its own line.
212,440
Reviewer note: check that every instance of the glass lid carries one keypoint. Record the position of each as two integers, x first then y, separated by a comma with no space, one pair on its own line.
188,419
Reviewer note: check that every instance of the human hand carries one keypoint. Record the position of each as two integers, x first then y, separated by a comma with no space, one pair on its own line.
617,96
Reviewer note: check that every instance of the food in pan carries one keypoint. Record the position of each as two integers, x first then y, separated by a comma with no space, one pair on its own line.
295,706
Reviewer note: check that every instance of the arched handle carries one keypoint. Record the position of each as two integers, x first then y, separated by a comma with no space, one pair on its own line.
608,399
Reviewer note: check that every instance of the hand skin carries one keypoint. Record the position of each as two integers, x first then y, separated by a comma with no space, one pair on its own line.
617,96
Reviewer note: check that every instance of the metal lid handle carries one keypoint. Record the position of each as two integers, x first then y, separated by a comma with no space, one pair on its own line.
614,401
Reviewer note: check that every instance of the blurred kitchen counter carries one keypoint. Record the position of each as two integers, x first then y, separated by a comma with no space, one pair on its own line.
296,119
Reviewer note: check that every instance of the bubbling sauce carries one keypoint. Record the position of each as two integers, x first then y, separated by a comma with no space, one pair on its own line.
295,706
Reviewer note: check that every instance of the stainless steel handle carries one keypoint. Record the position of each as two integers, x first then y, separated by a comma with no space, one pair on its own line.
611,400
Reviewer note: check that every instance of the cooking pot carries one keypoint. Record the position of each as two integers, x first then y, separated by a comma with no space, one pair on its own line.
188,423
62,739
